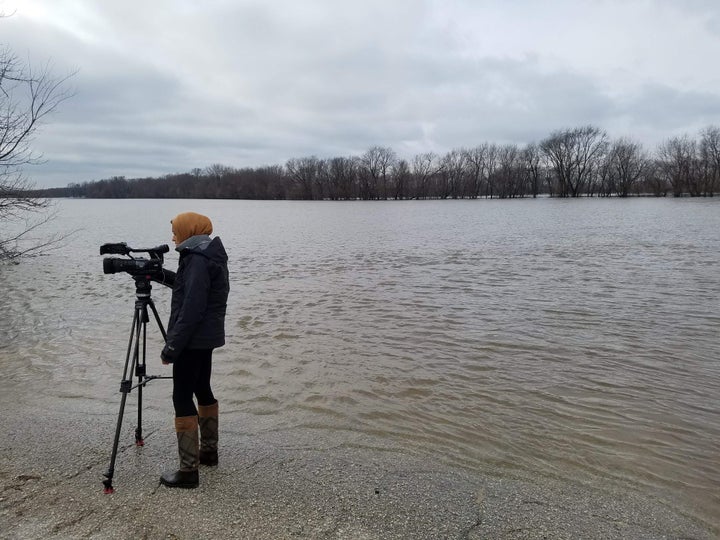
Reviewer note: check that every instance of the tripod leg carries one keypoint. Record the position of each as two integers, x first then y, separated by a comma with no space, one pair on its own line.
111,469
141,367
157,319
125,387
140,373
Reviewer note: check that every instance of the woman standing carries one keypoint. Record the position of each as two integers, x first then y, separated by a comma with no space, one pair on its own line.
197,326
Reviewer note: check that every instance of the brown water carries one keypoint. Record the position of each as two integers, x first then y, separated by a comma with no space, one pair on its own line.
574,339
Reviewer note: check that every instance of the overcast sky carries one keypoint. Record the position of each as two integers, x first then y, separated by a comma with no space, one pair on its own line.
165,86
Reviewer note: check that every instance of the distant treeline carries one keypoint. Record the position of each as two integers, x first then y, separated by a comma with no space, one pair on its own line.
569,163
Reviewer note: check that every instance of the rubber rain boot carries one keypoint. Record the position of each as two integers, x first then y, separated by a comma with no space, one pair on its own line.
186,428
208,418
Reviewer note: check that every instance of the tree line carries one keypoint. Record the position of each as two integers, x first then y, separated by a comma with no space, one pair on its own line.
572,162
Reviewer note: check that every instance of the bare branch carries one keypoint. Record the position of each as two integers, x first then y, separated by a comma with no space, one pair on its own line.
27,97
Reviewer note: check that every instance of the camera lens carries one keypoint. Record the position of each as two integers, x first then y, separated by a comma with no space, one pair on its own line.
109,265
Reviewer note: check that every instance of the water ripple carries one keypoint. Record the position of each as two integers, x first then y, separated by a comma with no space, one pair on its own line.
571,341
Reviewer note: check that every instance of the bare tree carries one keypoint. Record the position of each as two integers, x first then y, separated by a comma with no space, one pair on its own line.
27,97
654,180
321,186
627,163
530,158
303,172
424,167
507,176
676,159
451,174
216,177
324,181
342,176
574,155
401,179
375,168
710,158
476,165
604,177
491,164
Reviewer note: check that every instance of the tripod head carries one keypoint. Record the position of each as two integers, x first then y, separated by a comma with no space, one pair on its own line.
143,287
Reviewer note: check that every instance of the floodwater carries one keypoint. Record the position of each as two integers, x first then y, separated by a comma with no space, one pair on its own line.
572,339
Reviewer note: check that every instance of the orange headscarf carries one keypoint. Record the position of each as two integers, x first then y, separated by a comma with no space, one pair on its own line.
190,224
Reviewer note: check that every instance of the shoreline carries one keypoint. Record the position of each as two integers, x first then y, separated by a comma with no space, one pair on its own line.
284,484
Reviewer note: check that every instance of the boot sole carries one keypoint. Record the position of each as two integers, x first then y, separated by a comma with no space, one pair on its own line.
181,486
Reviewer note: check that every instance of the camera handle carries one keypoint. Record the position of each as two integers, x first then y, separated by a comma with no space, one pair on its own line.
135,362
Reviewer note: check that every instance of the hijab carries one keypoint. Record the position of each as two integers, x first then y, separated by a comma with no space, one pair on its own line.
190,224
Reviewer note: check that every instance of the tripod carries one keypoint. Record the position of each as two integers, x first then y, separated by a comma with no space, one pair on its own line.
136,365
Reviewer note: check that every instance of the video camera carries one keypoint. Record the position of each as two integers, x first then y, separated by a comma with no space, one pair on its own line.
135,266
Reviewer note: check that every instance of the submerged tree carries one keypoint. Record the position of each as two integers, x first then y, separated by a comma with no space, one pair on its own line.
423,168
304,173
677,161
575,155
710,160
26,98
626,162
375,167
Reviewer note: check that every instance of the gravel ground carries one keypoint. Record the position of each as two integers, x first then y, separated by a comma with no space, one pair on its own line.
275,484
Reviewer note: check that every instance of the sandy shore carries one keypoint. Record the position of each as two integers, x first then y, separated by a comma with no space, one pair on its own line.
283,484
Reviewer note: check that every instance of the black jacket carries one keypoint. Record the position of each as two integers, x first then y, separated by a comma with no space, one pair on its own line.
199,297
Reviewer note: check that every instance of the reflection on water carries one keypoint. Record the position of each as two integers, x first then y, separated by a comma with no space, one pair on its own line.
573,339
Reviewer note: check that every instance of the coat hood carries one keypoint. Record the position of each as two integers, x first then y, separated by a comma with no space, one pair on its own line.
202,244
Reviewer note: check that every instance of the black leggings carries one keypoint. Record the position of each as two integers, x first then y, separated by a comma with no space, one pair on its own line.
191,375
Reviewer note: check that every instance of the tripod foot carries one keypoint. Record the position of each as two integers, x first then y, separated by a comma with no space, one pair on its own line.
139,441
108,486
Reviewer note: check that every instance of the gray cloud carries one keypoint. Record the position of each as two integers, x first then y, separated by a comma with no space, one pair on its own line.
169,86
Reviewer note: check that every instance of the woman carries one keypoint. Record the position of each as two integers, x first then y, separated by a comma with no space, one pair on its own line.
197,326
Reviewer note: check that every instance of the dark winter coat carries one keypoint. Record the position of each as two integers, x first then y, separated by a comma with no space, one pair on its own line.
199,297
